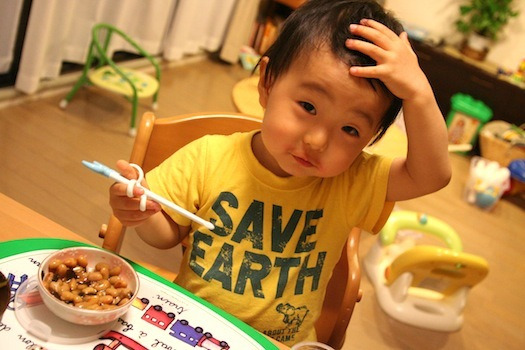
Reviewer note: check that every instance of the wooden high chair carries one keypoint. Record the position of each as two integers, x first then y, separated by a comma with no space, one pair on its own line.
159,138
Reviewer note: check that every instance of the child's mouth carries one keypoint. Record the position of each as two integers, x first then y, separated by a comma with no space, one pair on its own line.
303,162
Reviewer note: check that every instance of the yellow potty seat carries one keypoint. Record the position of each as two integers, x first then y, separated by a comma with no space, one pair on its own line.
422,285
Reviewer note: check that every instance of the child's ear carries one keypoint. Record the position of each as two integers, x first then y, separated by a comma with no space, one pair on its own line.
264,90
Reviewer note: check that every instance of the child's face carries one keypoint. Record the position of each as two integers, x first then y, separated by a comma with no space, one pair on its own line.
318,117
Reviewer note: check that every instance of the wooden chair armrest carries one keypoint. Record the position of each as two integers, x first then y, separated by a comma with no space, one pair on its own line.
112,233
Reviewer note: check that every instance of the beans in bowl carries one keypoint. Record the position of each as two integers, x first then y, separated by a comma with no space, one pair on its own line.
100,289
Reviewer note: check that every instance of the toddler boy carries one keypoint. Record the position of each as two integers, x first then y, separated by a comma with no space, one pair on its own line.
284,198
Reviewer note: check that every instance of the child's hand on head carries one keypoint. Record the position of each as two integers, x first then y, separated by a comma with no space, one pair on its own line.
127,209
396,63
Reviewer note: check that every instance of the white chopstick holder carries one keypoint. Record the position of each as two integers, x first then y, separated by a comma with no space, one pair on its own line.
137,182
112,174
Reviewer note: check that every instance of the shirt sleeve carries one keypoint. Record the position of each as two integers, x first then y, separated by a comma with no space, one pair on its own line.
179,179
373,172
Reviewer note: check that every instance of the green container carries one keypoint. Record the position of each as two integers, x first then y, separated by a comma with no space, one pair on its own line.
466,117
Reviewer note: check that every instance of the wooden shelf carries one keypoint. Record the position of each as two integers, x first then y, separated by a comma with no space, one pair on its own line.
449,72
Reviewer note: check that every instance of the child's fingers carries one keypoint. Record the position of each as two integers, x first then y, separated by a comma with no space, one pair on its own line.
121,190
369,34
132,218
380,27
126,170
369,49
132,204
367,72
119,200
404,39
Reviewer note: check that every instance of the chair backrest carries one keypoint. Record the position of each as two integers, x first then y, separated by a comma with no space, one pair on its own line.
101,36
157,139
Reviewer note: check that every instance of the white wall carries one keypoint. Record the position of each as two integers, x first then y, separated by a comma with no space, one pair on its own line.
438,17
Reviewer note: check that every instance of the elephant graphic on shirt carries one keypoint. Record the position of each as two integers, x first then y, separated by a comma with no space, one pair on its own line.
292,316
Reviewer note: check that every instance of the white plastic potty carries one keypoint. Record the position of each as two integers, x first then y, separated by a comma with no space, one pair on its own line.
422,285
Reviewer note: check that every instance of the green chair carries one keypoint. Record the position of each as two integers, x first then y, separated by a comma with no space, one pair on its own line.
106,74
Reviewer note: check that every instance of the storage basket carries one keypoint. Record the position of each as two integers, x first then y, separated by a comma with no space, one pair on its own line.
493,147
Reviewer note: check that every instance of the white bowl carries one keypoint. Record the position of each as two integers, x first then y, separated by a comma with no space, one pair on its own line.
81,316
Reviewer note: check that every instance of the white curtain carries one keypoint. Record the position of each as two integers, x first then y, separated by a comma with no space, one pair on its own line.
197,24
60,30
9,18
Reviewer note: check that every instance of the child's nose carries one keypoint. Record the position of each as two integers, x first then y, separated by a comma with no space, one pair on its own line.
316,139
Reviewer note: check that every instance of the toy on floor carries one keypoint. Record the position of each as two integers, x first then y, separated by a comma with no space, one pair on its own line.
422,285
487,182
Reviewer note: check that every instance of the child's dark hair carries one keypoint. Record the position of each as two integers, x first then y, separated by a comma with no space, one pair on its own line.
319,22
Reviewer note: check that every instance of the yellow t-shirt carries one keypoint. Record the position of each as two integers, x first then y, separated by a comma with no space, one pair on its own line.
276,240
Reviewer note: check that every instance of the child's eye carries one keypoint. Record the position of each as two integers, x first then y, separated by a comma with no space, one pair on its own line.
308,107
350,130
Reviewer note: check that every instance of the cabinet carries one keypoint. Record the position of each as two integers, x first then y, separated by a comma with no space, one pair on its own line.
449,73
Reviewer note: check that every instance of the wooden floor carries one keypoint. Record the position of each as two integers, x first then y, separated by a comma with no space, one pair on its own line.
41,148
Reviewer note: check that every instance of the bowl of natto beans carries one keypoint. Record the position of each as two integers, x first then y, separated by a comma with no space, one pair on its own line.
87,285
